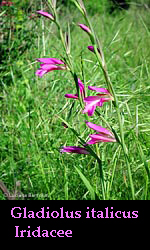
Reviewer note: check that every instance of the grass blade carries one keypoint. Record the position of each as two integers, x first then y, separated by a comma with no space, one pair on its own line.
87,184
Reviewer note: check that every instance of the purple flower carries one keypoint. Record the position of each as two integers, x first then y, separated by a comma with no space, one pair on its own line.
91,48
85,28
49,64
50,60
97,89
73,149
98,100
46,14
82,91
74,96
103,136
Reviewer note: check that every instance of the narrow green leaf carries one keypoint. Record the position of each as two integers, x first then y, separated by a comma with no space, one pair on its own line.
2,13
87,184
144,160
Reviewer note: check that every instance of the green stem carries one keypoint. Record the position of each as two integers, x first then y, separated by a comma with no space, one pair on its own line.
101,60
101,172
116,105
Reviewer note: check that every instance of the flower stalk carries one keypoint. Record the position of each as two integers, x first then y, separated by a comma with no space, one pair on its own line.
91,102
101,60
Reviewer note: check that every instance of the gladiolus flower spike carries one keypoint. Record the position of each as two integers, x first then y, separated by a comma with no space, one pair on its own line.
73,149
103,136
49,64
98,100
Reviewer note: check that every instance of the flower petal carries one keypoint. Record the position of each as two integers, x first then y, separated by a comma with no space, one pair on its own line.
81,85
97,89
89,109
92,99
50,60
74,149
41,72
50,67
46,14
82,91
98,99
45,68
71,96
99,128
101,138
85,28
91,48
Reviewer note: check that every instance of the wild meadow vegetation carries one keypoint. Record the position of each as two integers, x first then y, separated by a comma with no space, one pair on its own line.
38,122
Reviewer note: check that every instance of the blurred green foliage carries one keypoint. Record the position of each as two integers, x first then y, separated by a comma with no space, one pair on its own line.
16,35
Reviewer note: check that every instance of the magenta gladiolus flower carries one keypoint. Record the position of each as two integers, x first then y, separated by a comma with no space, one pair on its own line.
97,89
50,60
91,48
74,96
46,14
103,136
49,64
74,149
82,91
85,28
98,100
91,103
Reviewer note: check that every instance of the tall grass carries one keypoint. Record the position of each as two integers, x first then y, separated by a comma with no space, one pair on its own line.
32,110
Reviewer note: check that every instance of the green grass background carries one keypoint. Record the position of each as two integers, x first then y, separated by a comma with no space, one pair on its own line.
31,131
